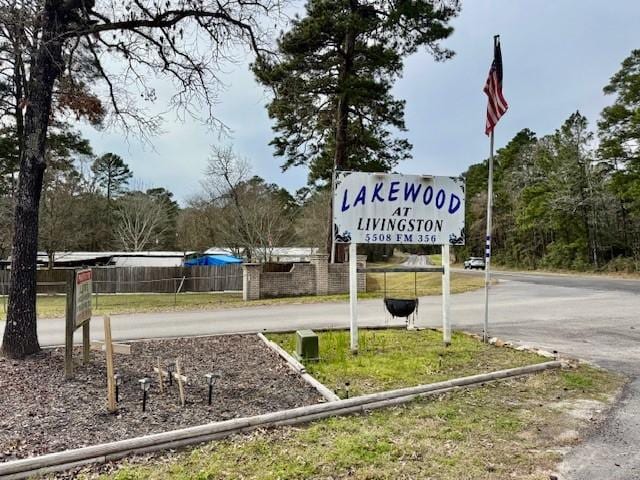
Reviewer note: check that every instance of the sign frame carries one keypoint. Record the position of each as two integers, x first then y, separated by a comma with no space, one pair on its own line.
394,208
82,296
79,292
434,190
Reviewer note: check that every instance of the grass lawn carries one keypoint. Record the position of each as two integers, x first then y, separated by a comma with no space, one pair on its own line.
398,284
509,429
389,359
436,259
50,306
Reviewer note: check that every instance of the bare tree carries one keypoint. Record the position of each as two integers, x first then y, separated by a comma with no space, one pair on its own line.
309,230
58,222
198,225
224,175
60,48
225,171
268,223
142,219
251,215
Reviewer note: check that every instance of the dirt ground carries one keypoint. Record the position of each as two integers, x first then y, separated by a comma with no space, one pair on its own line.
43,413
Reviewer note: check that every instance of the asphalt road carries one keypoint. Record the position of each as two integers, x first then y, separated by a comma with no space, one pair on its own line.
591,282
417,261
595,318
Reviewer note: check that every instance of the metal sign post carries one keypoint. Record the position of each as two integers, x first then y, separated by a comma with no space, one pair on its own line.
446,290
353,295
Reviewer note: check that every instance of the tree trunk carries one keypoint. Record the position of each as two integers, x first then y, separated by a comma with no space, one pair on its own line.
342,110
330,233
20,335
341,157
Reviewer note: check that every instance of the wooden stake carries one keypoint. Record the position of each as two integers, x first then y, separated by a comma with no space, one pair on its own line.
179,378
111,388
164,374
160,378
122,348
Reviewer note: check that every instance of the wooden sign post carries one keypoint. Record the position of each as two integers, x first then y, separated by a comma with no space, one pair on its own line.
78,314
179,378
160,380
111,388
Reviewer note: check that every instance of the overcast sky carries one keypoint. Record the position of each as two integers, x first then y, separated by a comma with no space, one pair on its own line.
557,54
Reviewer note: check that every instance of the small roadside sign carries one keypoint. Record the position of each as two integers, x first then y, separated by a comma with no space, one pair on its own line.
83,291
78,314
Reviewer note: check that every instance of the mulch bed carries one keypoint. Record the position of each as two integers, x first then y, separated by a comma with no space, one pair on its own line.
42,413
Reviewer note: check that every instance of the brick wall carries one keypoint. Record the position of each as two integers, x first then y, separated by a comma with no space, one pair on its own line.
339,277
301,280
315,278
251,273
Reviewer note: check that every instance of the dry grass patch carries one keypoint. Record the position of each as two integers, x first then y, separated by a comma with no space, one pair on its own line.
399,284
405,285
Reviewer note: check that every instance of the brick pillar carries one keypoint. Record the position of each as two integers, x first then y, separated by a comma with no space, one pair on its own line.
361,260
321,263
251,281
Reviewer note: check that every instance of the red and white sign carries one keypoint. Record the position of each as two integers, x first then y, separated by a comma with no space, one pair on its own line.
84,289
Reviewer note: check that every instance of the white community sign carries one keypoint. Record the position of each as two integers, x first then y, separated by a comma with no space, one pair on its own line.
398,209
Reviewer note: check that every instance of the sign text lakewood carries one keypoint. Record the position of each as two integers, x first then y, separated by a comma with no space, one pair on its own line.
395,208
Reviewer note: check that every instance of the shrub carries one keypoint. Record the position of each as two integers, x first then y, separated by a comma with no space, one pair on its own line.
566,255
622,264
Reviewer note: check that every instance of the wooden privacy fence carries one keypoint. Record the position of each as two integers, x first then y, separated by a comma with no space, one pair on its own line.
143,279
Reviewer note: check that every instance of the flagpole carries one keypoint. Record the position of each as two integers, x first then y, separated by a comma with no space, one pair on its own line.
332,258
496,107
487,266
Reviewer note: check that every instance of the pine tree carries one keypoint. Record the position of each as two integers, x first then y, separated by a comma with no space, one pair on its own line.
332,81
166,241
619,130
111,173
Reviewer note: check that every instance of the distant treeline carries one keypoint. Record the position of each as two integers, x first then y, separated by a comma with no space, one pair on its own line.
570,199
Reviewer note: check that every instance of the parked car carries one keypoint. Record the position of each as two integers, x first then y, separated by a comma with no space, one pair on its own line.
474,262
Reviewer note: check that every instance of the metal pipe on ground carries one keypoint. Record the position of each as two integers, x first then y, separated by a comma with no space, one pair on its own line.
187,436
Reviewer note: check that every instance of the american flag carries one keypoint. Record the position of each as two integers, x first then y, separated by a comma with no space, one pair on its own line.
497,105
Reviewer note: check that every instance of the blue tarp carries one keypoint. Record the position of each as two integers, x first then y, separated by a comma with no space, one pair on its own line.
212,260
